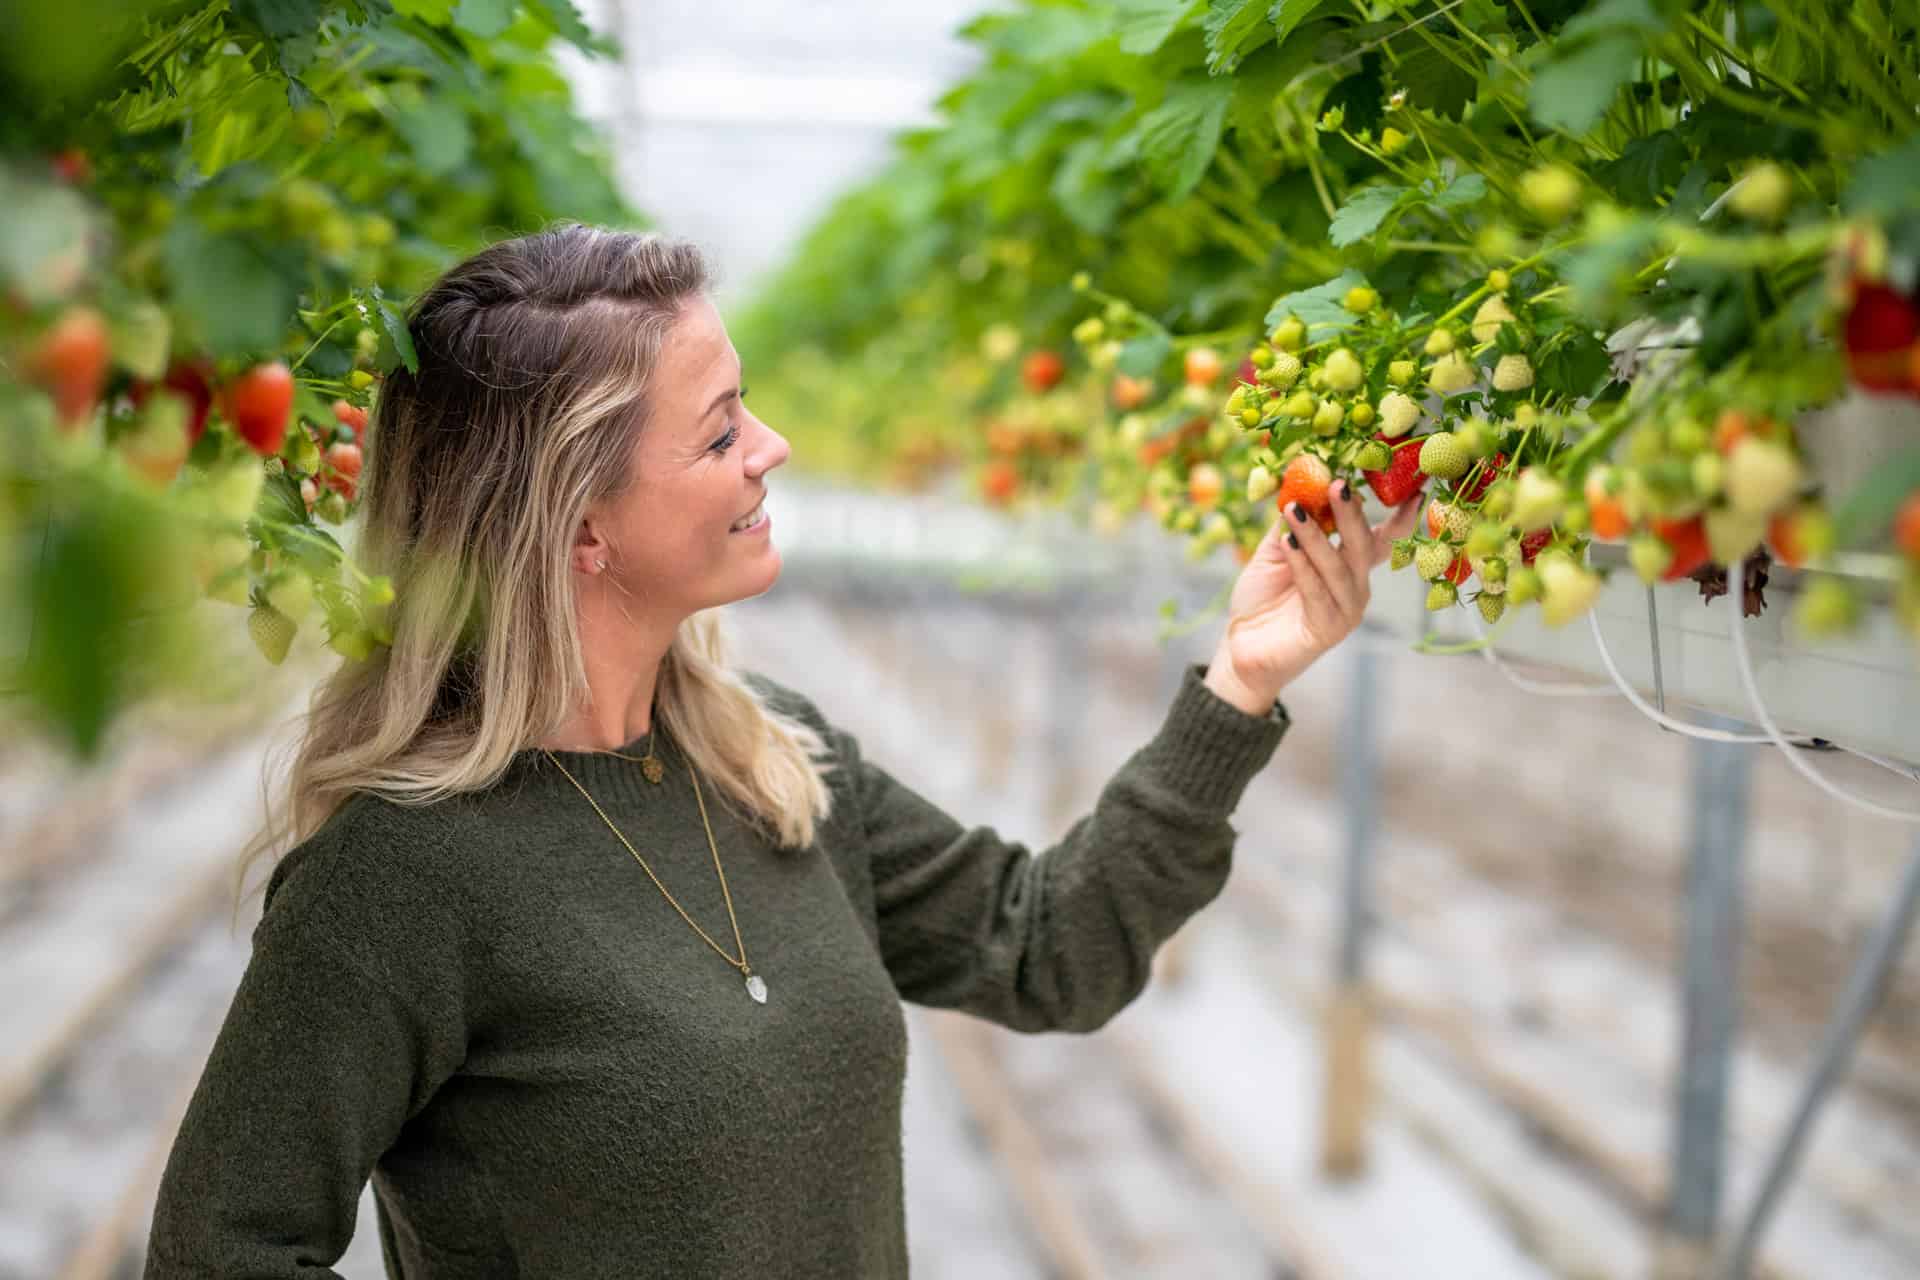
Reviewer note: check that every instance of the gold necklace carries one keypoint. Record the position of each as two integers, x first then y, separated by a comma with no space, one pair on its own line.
756,985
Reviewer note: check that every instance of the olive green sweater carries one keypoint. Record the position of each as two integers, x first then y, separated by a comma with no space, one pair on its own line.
486,1007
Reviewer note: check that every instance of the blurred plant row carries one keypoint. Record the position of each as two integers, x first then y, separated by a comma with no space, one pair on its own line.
211,210
1574,270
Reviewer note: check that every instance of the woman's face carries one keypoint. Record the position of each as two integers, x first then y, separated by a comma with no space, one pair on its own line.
699,467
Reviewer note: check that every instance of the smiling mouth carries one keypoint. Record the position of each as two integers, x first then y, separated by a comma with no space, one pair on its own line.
749,520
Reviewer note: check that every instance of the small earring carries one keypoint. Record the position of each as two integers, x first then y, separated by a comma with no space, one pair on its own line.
601,565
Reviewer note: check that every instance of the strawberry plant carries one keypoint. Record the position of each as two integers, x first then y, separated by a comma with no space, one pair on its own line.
1577,270
215,210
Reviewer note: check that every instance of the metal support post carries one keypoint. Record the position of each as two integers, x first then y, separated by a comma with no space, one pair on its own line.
1347,1090
1865,986
1710,994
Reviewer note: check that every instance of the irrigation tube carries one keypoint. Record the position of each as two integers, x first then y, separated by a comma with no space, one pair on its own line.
1535,686
1744,663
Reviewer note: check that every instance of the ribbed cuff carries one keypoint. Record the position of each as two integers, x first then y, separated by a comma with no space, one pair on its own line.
1208,749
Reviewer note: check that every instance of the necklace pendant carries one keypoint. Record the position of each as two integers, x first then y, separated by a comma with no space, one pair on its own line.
652,769
757,988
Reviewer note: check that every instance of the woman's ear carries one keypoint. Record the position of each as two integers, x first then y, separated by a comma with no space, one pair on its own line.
590,553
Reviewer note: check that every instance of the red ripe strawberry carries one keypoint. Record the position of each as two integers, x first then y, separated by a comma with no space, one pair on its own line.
70,362
1402,477
1688,538
354,418
1906,526
1489,472
343,469
1248,372
258,403
1459,571
1533,544
999,481
1306,481
1881,326
1042,370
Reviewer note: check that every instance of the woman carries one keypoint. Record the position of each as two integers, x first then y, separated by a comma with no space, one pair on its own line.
555,1062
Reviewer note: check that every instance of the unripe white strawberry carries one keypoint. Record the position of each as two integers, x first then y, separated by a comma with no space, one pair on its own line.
1283,372
1451,373
1761,476
1763,194
1401,373
1398,412
1328,417
1441,595
1493,313
1439,342
1538,499
1552,191
1432,559
1260,484
1567,589
1492,605
1344,371
1442,457
1513,373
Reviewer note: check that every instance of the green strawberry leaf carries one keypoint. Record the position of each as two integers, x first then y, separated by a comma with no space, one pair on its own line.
1142,356
1178,138
1362,214
395,325
1144,25
1319,306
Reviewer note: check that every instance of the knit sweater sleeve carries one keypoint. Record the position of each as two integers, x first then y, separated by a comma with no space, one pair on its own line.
344,1023
1062,939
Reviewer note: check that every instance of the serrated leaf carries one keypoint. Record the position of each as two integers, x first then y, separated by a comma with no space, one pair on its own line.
1082,189
395,325
1319,306
565,21
1362,214
1465,189
1178,138
1144,25
1234,28
1646,168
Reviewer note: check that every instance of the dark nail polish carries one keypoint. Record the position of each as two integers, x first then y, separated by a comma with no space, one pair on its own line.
1291,540
1351,495
1299,513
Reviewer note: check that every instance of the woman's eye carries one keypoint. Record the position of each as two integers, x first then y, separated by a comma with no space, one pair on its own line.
726,442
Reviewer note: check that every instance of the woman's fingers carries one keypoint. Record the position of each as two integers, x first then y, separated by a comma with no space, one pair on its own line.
1356,538
1325,585
1397,526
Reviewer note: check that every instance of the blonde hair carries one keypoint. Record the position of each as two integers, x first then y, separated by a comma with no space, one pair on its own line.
534,362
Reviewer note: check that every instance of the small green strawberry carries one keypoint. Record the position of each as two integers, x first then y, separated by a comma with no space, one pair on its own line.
1492,607
1827,607
290,592
272,633
1373,456
1441,595
1403,549
1401,373
1523,585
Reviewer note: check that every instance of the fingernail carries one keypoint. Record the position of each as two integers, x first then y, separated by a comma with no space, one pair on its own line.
1298,512
1291,540
1351,495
